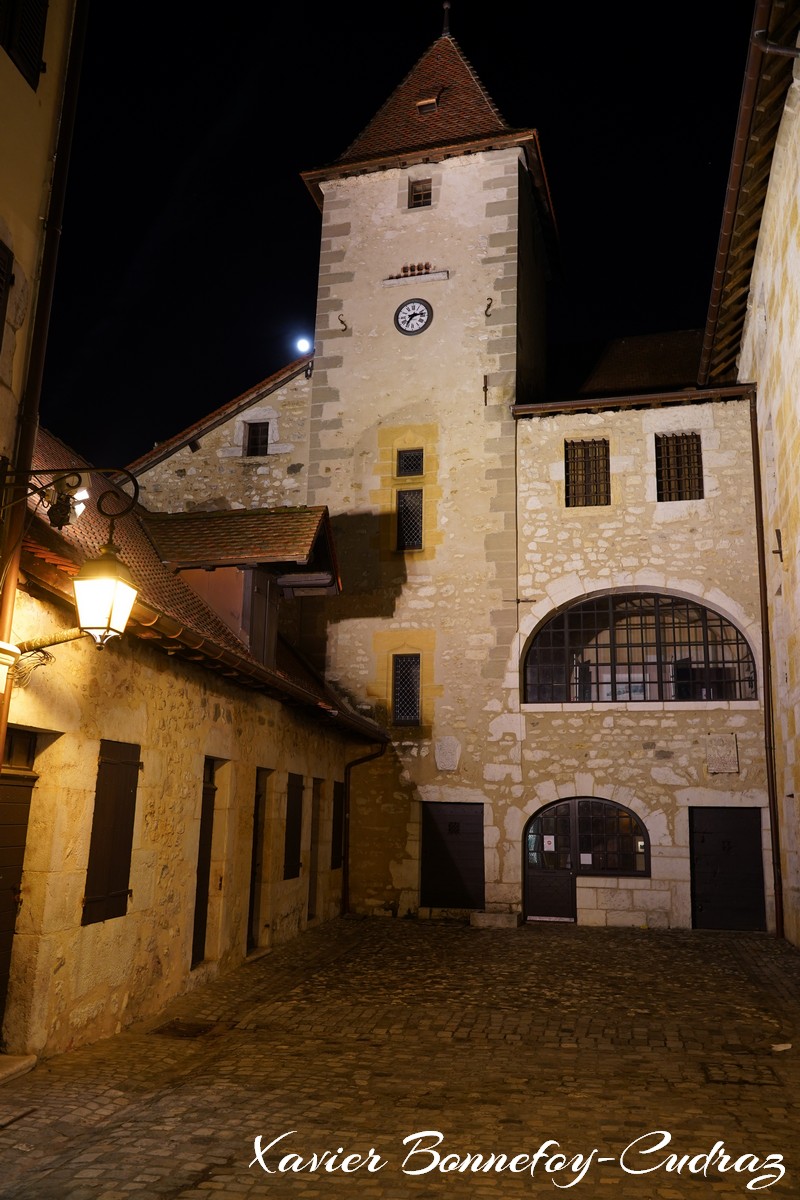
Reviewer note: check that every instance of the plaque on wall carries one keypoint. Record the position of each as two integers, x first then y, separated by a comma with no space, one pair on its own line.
722,754
448,753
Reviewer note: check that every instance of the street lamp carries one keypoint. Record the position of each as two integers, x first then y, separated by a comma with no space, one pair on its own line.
104,588
104,596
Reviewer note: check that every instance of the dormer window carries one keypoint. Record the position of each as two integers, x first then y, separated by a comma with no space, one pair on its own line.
427,104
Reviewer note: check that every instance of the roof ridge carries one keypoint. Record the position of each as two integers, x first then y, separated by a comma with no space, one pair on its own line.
270,383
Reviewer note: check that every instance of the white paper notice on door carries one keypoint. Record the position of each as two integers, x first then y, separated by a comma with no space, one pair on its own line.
549,841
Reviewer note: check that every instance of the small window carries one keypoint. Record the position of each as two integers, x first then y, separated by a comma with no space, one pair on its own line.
420,193
409,520
405,689
679,466
427,104
22,26
337,832
294,827
109,867
587,473
410,462
257,439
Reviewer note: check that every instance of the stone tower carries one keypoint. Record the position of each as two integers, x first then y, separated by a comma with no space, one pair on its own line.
435,231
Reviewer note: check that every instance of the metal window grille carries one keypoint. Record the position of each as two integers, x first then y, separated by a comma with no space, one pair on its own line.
587,473
419,193
257,439
409,520
679,466
405,689
410,462
633,647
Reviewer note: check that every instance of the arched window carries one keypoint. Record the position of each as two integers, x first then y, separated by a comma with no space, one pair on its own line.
637,646
587,836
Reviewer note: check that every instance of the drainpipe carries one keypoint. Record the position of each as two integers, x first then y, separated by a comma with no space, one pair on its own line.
28,421
355,762
769,723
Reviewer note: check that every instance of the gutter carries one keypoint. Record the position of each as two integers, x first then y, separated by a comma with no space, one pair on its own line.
769,721
549,408
355,762
735,176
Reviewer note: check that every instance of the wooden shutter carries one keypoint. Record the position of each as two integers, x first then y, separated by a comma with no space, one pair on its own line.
6,275
337,833
108,873
294,827
22,26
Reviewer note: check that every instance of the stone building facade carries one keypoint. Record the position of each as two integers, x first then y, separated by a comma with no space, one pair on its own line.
770,356
433,441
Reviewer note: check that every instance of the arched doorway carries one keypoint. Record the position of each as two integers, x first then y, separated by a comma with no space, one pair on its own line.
583,835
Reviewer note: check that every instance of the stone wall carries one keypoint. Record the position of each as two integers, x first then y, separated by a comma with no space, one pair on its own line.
72,983
770,356
218,473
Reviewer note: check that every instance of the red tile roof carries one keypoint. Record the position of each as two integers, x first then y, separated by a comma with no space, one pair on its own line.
168,612
464,110
233,536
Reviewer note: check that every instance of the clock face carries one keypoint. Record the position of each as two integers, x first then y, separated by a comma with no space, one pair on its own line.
414,316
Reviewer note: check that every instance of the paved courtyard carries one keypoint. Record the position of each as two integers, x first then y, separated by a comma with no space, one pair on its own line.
407,1049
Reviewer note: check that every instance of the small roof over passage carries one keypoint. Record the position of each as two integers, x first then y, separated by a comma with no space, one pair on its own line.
296,542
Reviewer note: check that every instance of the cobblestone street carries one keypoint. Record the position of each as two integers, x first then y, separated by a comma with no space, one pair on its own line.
363,1033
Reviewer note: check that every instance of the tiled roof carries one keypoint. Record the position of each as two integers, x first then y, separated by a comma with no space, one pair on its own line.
464,110
233,407
168,612
233,536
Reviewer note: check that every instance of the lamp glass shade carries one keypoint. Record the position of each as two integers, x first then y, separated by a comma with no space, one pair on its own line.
104,596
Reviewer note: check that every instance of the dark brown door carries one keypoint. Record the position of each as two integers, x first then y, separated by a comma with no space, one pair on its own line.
257,859
203,864
548,865
15,803
452,874
727,868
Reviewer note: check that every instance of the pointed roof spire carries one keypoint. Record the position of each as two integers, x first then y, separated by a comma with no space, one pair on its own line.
446,22
441,102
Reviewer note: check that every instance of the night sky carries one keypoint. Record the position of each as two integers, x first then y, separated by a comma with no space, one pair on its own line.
189,251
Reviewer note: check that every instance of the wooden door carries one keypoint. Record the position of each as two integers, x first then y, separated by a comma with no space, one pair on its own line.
548,865
727,868
452,857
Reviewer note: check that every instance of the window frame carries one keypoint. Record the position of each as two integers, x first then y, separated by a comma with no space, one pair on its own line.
407,673
587,472
635,647
679,467
420,193
580,843
256,436
410,510
337,826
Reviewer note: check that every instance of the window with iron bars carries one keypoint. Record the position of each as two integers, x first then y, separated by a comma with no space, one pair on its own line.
406,689
587,473
679,466
409,520
630,647
257,439
420,193
410,462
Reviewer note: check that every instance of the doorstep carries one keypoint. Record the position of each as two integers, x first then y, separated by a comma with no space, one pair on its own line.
495,920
